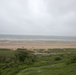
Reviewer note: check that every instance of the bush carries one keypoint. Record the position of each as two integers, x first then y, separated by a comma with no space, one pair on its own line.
72,59
2,58
21,54
57,58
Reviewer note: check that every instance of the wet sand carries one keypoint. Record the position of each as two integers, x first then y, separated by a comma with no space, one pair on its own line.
36,44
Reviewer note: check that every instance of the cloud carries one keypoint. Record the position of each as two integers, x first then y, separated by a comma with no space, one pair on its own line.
38,17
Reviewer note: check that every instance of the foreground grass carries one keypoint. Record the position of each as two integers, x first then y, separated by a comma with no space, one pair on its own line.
57,64
55,69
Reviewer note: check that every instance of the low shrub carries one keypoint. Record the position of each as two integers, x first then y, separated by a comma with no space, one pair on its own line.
57,58
71,59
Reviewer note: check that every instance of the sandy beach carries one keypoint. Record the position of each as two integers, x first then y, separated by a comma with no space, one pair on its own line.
36,44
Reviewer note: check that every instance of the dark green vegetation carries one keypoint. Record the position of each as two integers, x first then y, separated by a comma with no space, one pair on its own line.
25,62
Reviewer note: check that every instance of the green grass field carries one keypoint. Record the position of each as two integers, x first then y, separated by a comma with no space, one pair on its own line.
55,69
23,62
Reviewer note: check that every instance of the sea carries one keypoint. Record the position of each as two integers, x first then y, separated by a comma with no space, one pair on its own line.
37,37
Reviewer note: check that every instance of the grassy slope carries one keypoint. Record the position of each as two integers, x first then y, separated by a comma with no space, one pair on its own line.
55,69
46,65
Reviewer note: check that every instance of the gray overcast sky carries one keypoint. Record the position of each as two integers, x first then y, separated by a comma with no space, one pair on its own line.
38,17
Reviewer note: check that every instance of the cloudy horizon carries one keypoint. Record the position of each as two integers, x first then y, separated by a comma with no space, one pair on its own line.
38,17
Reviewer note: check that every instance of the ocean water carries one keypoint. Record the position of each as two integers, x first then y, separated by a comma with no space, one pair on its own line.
36,37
